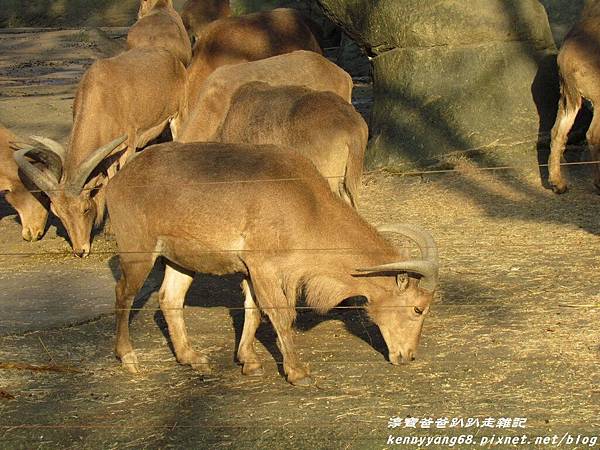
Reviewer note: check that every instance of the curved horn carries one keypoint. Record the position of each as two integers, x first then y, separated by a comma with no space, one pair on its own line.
419,235
43,180
428,270
428,267
88,166
57,148
50,159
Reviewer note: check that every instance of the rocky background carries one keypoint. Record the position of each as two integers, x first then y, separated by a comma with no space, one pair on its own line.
467,78
76,13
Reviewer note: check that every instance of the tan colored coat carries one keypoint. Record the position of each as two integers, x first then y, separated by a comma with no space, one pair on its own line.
320,125
301,68
267,213
32,208
160,26
135,94
239,39
196,14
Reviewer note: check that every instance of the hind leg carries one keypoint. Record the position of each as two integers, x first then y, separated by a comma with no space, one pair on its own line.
593,138
134,273
246,352
565,118
171,297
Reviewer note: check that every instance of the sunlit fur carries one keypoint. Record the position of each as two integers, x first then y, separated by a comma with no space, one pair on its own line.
251,37
320,125
32,208
160,26
136,93
290,237
301,68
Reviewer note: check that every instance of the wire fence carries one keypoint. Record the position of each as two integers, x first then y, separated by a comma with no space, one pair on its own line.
69,366
434,306
339,251
411,173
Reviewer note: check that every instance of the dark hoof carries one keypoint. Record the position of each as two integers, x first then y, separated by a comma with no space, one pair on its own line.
253,370
559,189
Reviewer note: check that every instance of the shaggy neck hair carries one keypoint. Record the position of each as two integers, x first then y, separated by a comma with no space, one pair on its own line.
321,290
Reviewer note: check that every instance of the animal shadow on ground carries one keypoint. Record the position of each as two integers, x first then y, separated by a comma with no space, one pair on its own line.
209,291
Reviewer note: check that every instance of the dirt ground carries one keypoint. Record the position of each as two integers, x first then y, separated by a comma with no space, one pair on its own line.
513,332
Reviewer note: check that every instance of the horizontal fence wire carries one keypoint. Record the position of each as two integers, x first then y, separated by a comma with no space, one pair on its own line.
373,172
305,424
237,251
433,307
68,366
340,250
345,250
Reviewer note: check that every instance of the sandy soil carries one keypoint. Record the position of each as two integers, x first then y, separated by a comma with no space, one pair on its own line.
513,332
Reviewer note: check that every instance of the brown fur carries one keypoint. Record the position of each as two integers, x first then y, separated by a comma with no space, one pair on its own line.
262,211
136,93
302,68
235,40
579,67
320,125
196,14
160,26
32,208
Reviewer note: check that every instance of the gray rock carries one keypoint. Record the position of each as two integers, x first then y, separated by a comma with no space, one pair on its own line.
452,76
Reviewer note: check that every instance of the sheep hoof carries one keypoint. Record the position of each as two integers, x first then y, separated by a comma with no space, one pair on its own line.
130,362
197,361
202,367
299,377
303,382
559,188
253,369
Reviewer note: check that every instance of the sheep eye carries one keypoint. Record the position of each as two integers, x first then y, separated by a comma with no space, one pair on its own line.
419,311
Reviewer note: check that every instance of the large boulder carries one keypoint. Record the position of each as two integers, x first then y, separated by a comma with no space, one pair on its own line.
452,75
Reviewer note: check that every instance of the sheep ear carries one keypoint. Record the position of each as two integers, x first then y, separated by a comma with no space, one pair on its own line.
402,281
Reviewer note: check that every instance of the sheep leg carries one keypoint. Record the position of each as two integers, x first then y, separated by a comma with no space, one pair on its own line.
134,274
246,352
593,138
565,118
273,302
171,298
